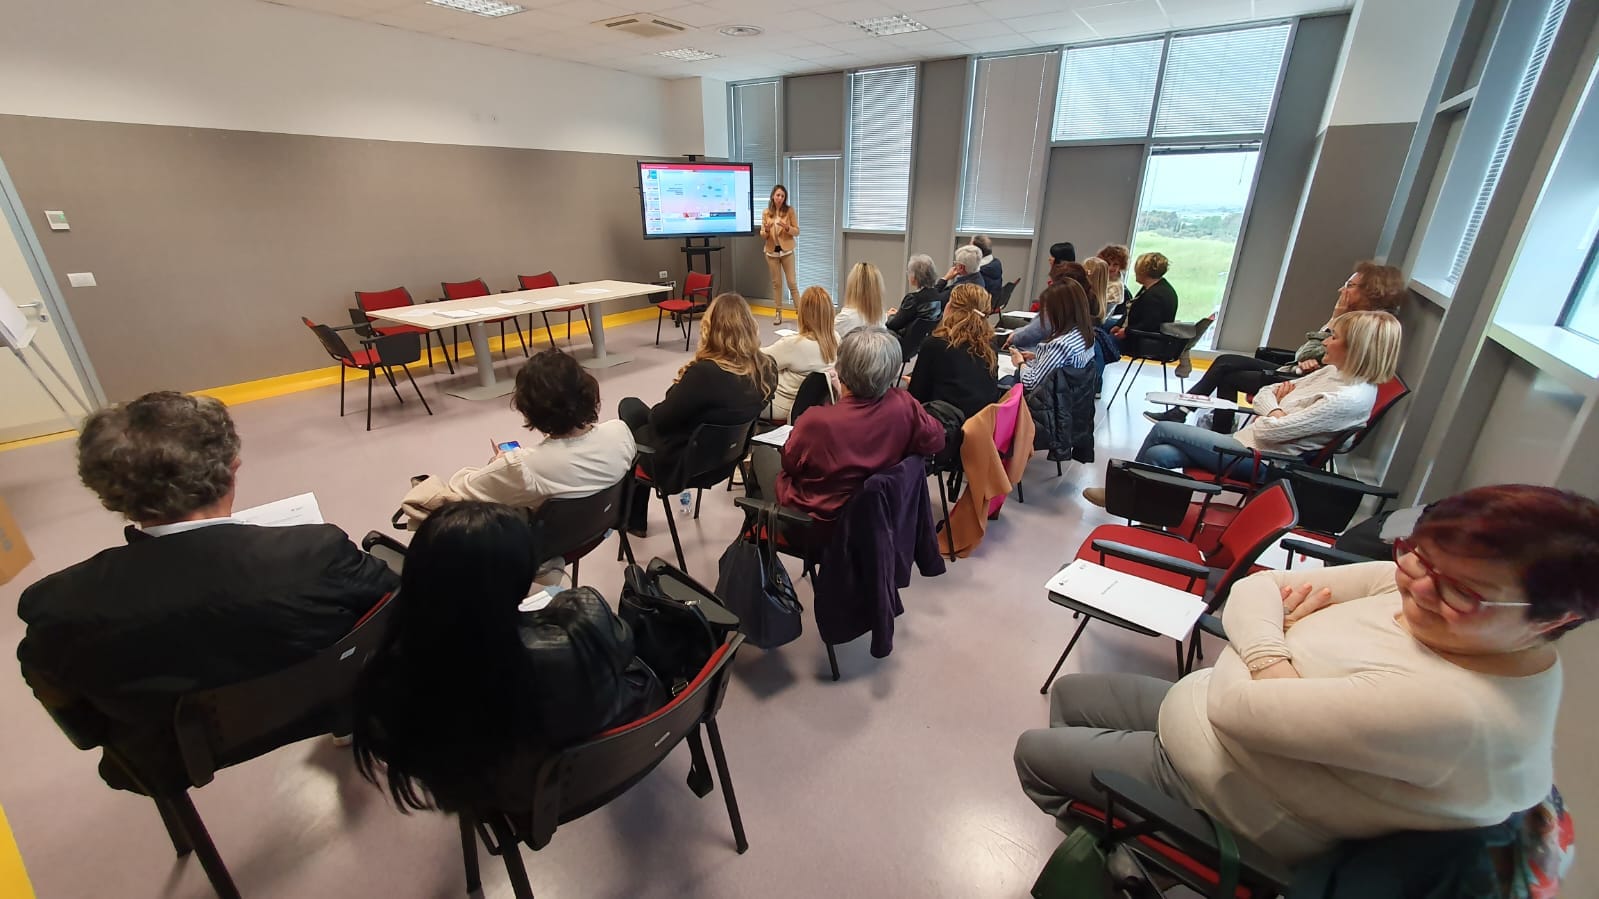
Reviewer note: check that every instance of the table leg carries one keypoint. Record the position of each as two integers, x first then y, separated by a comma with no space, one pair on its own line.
488,386
601,358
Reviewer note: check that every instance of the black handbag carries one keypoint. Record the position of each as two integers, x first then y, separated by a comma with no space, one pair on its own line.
677,623
756,587
576,641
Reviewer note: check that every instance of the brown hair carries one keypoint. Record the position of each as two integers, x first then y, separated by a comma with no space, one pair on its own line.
729,338
1115,255
1382,287
816,321
965,323
159,457
1152,265
773,207
1065,304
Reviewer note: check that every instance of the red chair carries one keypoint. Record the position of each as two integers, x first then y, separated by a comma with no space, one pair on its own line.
395,298
548,279
1165,558
383,352
695,300
466,290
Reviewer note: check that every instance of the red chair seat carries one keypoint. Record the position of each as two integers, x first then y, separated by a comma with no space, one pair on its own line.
641,474
1162,848
362,359
1154,542
676,306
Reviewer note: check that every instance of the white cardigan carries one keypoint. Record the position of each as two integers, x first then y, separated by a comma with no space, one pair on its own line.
1321,404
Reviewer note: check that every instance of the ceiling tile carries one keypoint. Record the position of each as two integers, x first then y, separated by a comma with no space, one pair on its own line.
815,51
1205,13
996,44
423,18
1013,9
912,6
971,32
701,15
951,16
856,11
1145,14
1054,21
1272,9
828,34
1053,37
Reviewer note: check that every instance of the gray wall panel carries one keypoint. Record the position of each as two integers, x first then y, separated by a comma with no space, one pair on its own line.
886,251
1090,199
935,185
813,113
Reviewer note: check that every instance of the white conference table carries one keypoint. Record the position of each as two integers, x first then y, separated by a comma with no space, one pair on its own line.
475,312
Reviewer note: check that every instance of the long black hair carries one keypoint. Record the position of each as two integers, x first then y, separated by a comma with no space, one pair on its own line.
452,692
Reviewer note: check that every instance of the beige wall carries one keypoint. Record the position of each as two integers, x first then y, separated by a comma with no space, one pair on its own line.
209,245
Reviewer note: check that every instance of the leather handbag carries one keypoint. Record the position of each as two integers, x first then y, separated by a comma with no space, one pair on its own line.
677,623
756,587
577,641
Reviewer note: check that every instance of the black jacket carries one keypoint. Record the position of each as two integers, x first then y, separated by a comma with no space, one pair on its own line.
706,394
954,375
1063,413
113,641
993,277
945,287
1154,306
926,304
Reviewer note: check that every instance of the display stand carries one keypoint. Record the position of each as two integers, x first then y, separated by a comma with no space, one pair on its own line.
702,250
17,344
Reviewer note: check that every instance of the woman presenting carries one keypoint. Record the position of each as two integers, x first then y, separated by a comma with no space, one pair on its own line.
779,227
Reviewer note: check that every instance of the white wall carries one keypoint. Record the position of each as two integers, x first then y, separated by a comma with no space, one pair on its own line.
247,65
1391,53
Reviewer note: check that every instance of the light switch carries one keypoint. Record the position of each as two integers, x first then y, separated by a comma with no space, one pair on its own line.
57,220
661,275
81,279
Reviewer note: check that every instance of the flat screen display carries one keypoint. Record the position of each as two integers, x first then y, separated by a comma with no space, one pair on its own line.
696,199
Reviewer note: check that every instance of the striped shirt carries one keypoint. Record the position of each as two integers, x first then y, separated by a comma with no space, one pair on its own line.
1067,350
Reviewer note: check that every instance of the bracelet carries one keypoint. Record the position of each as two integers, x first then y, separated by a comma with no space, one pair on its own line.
1264,662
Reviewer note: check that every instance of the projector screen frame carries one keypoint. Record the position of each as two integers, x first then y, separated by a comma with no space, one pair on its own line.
748,167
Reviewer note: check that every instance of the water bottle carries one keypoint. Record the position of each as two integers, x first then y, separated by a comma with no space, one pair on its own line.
685,501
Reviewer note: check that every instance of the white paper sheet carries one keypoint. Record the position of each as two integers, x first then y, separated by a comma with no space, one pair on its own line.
459,313
1006,366
1020,313
785,332
776,436
594,291
1190,400
515,302
302,509
540,599
1164,610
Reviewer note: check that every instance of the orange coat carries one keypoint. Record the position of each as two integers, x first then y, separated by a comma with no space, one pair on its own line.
779,242
987,475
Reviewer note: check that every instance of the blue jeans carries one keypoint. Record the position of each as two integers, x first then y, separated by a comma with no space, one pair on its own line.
1171,444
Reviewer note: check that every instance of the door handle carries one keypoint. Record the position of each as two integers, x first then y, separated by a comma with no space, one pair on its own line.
44,314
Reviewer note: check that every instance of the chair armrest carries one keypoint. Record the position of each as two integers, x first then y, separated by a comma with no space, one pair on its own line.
1265,455
1171,479
784,513
350,327
1339,482
1329,555
1151,558
645,450
385,549
1210,624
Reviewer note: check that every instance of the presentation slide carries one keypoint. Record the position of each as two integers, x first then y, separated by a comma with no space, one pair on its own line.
696,199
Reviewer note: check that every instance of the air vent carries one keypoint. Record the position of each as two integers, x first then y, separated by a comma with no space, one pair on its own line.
643,24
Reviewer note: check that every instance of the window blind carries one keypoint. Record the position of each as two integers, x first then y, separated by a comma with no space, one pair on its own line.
1507,136
882,108
1220,83
1107,91
1005,144
755,134
813,189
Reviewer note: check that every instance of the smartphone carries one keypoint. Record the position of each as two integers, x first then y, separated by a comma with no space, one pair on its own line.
507,446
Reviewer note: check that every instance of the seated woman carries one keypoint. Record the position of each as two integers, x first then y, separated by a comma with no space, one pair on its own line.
813,349
1070,340
728,382
957,364
1034,332
1156,302
466,682
863,300
1357,701
1295,416
560,399
872,427
1372,288
1116,259
924,302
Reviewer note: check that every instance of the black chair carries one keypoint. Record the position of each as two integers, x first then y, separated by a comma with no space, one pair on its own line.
1162,349
1002,302
584,778
713,453
911,339
383,351
570,528
813,391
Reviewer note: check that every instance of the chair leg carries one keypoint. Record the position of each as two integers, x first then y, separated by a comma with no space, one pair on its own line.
568,326
547,330
194,829
371,375
448,362
575,566
688,330
727,786
625,550
1125,372
832,659
698,493
587,325
180,840
511,852
521,339
943,500
1182,670
671,524
393,384
474,880
1062,660
407,369
342,370
1165,385
659,316
1019,497
1058,470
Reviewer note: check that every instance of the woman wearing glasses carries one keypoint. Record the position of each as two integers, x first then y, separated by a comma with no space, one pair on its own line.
1358,701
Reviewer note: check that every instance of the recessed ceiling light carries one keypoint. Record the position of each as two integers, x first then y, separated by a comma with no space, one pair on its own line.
687,54
492,9
882,26
741,31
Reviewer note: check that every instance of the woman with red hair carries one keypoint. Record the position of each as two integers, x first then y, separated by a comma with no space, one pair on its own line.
1359,701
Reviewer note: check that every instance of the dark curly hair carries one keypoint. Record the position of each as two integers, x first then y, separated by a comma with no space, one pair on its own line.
160,457
555,394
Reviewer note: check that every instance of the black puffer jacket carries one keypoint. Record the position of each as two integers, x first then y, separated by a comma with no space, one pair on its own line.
1063,413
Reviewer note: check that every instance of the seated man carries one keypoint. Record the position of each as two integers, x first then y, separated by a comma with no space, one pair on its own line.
966,270
993,271
195,600
873,426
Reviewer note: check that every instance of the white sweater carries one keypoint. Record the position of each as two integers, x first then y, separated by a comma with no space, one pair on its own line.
1379,734
849,319
796,357
1321,404
574,467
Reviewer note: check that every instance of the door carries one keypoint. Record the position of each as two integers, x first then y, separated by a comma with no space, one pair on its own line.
816,191
27,410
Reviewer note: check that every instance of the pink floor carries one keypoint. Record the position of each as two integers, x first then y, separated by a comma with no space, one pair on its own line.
895,781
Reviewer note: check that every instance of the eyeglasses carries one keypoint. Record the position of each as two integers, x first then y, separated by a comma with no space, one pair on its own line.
1460,597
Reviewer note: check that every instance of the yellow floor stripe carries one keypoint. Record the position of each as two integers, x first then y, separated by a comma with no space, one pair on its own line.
13,877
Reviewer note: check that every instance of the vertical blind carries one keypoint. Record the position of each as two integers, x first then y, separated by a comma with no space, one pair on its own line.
1220,83
882,108
1005,144
755,134
813,183
1507,136
1107,91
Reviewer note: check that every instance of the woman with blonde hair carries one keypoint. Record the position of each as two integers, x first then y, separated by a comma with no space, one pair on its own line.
957,364
863,300
1098,271
1293,417
813,349
728,382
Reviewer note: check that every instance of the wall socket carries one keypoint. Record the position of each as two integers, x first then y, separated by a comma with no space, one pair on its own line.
81,279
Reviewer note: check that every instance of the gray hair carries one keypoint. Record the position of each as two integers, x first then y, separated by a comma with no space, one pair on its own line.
869,361
921,270
160,457
969,257
982,242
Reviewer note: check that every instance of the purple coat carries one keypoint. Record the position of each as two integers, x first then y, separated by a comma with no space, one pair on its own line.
887,526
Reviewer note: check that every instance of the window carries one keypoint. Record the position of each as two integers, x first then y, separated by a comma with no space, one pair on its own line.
1005,144
813,183
1190,212
755,118
1107,91
882,112
1221,82
1582,315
